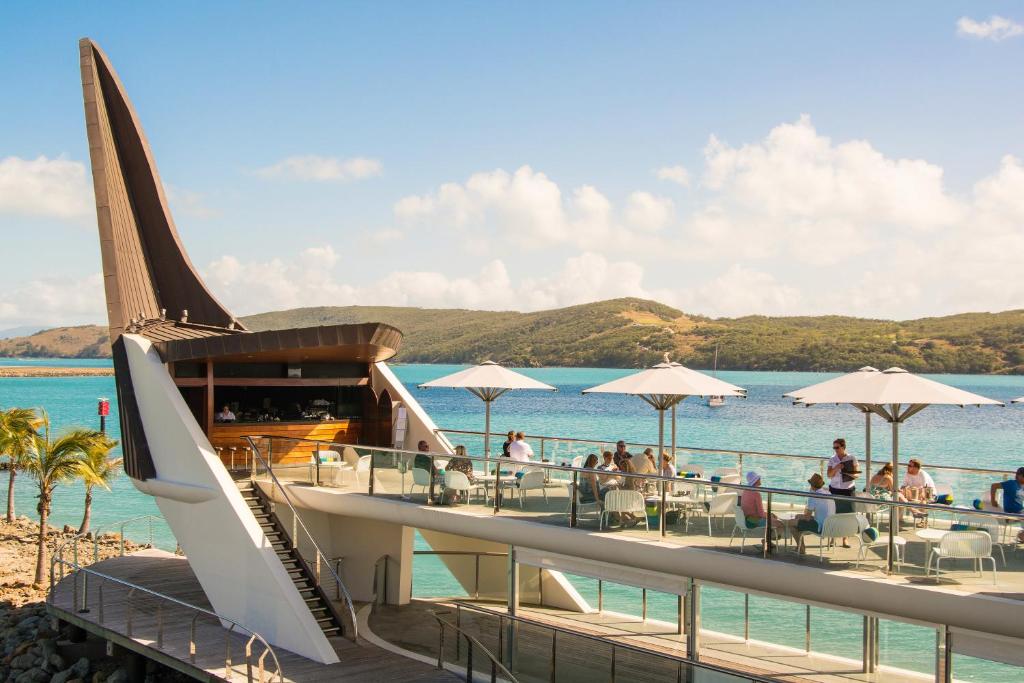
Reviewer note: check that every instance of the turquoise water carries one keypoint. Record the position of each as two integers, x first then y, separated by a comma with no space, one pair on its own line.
976,437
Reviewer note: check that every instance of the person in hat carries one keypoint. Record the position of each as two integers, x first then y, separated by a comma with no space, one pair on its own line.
814,515
753,505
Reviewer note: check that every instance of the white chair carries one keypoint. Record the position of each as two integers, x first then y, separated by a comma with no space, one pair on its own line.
693,468
420,477
899,544
993,526
741,526
842,525
721,506
725,472
578,461
963,545
330,466
620,501
532,480
349,456
458,481
363,470
581,507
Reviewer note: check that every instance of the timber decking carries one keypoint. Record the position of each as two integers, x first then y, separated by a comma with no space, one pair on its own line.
171,575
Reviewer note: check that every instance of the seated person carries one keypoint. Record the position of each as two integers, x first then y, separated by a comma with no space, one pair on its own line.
814,515
630,484
590,489
668,467
225,415
424,462
918,485
620,453
881,484
645,463
606,480
1013,496
753,505
510,437
460,463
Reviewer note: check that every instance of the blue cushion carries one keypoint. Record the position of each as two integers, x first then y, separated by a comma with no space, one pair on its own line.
944,499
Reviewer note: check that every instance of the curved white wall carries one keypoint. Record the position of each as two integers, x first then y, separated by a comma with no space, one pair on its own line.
226,548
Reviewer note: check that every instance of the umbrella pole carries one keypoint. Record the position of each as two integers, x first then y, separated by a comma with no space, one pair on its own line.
661,432
867,448
487,429
673,436
894,512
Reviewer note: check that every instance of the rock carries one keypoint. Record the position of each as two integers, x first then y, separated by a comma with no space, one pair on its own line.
80,669
61,677
99,677
68,529
33,675
23,661
27,623
56,662
118,676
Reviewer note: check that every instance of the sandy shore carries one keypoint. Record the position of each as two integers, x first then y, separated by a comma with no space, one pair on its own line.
38,371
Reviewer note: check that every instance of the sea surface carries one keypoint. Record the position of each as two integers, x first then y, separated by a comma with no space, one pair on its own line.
764,421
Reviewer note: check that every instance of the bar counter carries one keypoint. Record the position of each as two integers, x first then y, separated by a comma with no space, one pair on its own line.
225,435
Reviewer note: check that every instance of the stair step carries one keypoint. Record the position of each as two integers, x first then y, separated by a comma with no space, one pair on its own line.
332,629
325,620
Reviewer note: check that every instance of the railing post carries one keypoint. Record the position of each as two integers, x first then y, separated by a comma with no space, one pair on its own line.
160,626
894,514
85,592
573,512
740,468
663,485
680,616
372,470
440,646
469,660
476,578
600,595
542,443
554,655
192,639
693,622
316,462
433,476
643,604
611,671
746,617
99,589
295,530
807,630
497,487
768,529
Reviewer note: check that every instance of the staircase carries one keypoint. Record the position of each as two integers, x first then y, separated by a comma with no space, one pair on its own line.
298,570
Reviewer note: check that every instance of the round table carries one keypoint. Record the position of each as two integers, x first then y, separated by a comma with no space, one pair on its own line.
930,536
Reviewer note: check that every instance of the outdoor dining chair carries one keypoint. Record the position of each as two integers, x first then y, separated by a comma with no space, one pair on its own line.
581,507
842,525
458,481
532,480
963,545
742,528
624,501
721,506
420,477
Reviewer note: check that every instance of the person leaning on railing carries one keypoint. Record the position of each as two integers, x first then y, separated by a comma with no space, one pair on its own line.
1013,496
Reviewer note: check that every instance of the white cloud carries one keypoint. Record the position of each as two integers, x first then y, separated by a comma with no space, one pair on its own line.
742,291
309,279
674,174
648,213
53,301
48,188
996,28
311,167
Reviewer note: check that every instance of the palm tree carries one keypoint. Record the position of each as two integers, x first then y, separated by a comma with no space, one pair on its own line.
17,425
50,462
96,468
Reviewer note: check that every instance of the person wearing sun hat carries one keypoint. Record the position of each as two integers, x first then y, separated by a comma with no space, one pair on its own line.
814,515
753,505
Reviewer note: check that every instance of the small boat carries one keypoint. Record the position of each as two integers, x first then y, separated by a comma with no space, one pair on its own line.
715,401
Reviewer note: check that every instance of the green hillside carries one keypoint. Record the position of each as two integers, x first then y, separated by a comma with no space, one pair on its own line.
635,333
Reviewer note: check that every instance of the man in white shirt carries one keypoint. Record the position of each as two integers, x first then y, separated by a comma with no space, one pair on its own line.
814,515
519,449
843,471
917,482
607,480
225,415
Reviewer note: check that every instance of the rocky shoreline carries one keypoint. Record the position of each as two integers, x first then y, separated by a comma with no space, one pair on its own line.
40,371
31,649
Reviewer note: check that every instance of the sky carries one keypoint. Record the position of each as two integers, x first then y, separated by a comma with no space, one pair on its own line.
723,158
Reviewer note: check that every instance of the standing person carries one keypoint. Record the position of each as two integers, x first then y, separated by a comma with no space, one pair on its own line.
843,471
511,437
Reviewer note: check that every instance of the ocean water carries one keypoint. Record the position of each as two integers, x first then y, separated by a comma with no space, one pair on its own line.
764,421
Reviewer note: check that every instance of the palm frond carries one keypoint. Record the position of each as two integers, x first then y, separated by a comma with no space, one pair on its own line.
96,467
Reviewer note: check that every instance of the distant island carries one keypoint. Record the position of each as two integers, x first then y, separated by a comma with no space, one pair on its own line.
637,333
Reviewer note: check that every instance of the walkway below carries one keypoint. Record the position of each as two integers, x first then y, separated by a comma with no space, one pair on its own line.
171,575
586,660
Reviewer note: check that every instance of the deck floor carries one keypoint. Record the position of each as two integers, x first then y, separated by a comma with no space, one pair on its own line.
171,575
958,577
585,660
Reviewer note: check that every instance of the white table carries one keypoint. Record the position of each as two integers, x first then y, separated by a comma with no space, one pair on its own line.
930,536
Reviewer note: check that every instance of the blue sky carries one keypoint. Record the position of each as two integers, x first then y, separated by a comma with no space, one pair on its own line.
726,158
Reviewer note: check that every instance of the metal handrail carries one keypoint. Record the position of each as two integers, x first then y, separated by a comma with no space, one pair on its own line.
496,665
321,556
613,643
722,451
657,478
124,523
58,559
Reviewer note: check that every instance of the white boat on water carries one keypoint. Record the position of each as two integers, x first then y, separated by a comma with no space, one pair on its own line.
715,401
296,472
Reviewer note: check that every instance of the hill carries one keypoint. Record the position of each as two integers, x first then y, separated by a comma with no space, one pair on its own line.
85,341
636,333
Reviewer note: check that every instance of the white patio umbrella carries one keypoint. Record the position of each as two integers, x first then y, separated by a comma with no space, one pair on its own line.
1018,400
664,386
894,395
488,381
841,385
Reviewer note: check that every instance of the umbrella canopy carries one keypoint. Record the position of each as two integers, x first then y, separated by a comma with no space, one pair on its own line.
894,395
488,381
838,386
1018,400
665,385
